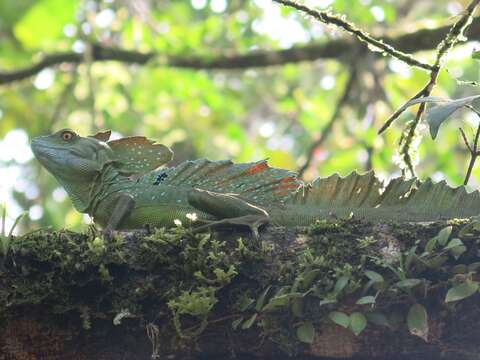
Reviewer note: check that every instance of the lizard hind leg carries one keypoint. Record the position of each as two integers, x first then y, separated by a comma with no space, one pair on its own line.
230,209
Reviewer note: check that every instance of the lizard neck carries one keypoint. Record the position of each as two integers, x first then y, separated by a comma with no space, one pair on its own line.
87,193
79,194
108,182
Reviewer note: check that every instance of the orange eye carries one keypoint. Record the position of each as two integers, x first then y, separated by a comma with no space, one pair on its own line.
67,135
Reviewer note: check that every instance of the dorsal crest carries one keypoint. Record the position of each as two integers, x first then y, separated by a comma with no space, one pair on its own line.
137,155
256,181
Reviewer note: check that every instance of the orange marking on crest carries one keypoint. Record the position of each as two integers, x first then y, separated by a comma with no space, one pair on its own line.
287,183
256,168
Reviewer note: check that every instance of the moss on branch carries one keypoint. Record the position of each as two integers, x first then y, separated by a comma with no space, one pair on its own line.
334,289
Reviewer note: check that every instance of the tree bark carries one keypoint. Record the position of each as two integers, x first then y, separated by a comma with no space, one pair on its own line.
61,294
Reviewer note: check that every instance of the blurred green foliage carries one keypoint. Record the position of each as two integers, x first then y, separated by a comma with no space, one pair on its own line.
246,115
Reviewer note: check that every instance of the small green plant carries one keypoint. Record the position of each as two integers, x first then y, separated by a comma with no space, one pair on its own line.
5,239
197,303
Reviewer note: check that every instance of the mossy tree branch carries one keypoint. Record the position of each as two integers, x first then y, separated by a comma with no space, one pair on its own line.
79,296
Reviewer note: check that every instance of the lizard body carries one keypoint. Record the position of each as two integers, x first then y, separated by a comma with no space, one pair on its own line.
119,183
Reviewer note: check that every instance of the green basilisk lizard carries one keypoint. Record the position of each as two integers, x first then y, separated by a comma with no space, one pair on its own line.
119,183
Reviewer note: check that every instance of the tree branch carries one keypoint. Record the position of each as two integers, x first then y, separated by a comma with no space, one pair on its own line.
424,39
452,37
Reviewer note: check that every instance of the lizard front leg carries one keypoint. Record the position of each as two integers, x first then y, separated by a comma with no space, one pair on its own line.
229,208
123,206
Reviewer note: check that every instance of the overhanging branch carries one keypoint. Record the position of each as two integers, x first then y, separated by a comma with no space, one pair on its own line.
424,39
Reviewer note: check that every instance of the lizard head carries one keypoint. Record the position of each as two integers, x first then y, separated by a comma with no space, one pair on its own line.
70,157
75,161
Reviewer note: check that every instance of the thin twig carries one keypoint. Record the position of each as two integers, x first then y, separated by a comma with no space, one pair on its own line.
474,152
473,149
329,126
465,140
328,18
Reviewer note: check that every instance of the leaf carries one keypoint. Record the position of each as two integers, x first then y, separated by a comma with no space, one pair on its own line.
248,323
426,99
408,283
245,304
438,114
358,322
236,322
306,332
461,291
261,298
411,256
417,321
444,235
281,300
339,318
297,307
124,313
453,243
374,276
309,277
327,301
341,283
366,300
475,266
436,262
456,247
431,244
459,269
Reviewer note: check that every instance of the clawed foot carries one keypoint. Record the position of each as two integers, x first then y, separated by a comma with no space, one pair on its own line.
254,222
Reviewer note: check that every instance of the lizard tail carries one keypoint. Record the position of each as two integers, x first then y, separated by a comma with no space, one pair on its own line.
257,182
365,196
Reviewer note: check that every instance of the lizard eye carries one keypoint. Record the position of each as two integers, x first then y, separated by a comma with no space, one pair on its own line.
67,135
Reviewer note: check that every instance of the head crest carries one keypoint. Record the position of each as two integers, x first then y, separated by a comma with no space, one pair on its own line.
138,155
102,135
